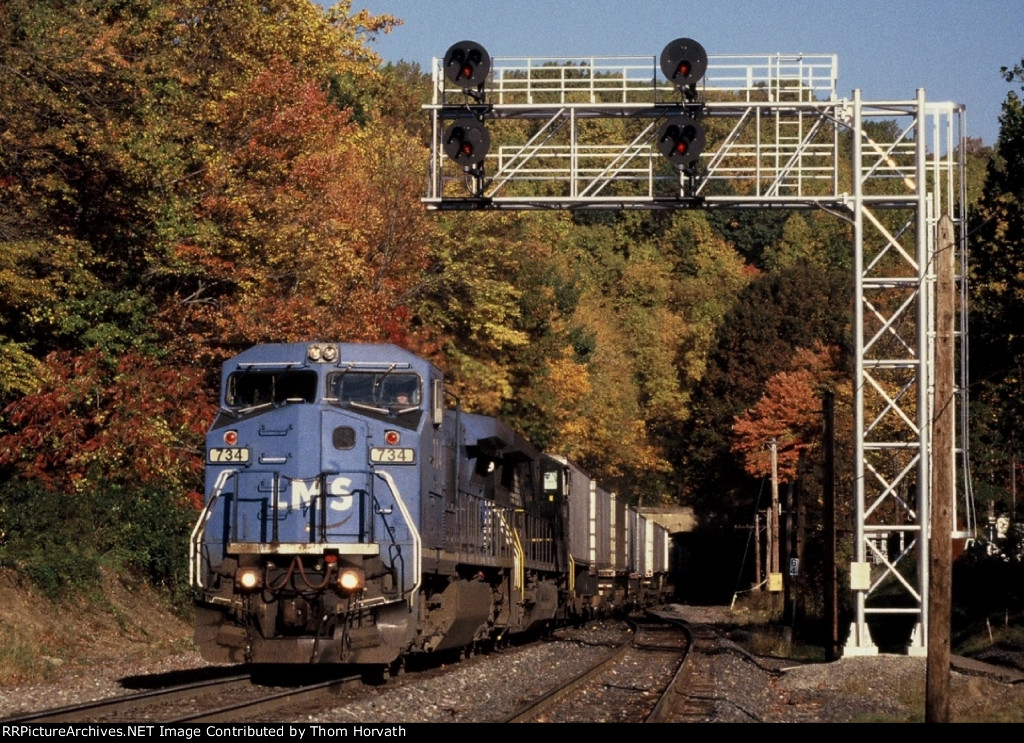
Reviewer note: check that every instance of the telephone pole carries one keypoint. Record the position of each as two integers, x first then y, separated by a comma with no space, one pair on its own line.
774,561
937,680
829,488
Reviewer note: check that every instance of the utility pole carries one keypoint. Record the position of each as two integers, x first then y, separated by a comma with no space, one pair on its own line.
774,518
775,568
758,572
1013,485
829,490
788,555
937,681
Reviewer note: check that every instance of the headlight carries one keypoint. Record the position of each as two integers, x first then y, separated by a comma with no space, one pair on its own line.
248,578
350,580
322,352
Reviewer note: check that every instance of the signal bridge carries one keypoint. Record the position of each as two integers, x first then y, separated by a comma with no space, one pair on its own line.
688,130
777,135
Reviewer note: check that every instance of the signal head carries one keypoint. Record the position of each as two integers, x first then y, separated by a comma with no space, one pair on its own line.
466,64
466,141
681,140
684,62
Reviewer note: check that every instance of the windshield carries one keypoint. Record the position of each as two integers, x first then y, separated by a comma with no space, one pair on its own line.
252,388
379,389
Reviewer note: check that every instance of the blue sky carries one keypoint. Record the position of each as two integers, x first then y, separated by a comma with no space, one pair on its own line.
886,48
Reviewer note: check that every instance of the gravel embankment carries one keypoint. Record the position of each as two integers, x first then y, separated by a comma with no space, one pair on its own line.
870,688
740,687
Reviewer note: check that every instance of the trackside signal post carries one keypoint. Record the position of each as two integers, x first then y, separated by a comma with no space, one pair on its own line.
749,132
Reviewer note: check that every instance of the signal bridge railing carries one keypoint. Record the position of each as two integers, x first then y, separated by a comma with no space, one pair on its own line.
516,81
561,158
782,77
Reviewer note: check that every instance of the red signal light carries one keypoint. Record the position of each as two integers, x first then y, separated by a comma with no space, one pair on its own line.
684,62
466,63
681,140
466,141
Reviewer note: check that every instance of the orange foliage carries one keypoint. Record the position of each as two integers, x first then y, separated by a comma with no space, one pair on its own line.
320,231
789,413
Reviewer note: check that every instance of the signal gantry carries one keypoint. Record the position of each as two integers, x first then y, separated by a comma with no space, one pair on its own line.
753,132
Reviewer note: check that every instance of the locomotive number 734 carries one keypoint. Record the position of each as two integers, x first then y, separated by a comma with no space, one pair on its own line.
221,455
392,456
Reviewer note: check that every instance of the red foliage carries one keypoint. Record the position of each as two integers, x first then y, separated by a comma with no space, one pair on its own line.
132,421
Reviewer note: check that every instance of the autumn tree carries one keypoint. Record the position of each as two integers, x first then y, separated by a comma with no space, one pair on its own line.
316,237
119,123
775,315
83,192
177,179
788,414
996,267
105,466
135,421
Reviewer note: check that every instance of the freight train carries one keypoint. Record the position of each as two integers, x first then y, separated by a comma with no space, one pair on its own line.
354,514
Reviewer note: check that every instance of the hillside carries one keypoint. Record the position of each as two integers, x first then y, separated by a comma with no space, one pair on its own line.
124,625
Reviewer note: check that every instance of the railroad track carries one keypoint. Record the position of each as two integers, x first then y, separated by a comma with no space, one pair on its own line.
486,687
693,694
269,706
219,700
633,684
126,707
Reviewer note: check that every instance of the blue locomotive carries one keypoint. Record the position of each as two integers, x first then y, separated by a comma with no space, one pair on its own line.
352,516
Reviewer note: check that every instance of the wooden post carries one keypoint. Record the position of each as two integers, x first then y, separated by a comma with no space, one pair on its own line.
758,572
775,572
937,681
829,493
773,560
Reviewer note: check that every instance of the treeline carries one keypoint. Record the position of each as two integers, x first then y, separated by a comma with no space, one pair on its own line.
180,180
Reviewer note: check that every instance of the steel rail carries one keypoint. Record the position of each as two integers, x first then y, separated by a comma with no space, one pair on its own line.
268,704
90,711
538,706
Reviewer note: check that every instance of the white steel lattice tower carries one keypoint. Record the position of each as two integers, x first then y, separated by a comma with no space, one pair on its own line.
782,139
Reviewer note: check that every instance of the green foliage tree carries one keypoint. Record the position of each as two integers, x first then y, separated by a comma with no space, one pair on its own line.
997,292
470,297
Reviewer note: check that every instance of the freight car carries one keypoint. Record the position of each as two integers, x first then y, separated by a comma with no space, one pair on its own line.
352,516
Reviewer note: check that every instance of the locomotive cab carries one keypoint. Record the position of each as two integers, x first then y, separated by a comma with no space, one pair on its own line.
308,547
